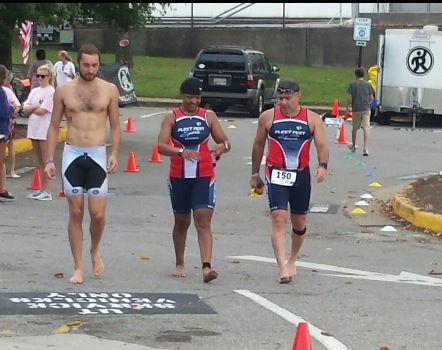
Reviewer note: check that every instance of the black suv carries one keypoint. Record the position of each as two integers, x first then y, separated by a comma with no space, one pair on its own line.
235,75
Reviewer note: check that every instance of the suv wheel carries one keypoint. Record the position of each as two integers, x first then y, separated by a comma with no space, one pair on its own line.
257,109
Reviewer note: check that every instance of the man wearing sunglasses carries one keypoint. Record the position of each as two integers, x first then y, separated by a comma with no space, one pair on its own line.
288,130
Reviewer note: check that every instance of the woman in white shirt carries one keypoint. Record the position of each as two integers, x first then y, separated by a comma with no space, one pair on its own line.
64,68
39,108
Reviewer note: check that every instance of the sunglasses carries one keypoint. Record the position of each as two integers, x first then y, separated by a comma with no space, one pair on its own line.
286,91
41,76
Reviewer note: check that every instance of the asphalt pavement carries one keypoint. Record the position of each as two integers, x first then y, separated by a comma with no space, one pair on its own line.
139,221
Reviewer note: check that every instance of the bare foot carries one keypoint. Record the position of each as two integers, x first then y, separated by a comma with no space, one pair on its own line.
14,175
209,275
97,265
77,277
285,279
292,270
179,271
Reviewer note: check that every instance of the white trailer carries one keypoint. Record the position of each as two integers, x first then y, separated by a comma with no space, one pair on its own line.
409,81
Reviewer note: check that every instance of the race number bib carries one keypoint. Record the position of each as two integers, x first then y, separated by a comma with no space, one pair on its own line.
283,177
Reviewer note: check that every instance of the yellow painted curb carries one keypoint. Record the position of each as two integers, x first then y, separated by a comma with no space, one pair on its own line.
429,221
23,145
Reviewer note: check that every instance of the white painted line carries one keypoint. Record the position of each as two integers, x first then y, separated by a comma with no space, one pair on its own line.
344,272
152,114
329,342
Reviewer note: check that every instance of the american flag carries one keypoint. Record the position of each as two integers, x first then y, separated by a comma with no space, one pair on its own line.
25,38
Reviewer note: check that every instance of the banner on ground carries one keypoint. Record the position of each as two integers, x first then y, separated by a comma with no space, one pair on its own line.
119,74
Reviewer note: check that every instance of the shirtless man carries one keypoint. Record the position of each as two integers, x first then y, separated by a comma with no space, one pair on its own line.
289,130
88,102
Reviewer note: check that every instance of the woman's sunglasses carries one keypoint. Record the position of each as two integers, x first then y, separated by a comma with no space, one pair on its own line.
286,91
41,76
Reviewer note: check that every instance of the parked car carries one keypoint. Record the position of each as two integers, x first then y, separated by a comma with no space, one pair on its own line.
235,75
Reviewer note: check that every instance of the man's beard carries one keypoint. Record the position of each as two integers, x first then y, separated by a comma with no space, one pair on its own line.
88,77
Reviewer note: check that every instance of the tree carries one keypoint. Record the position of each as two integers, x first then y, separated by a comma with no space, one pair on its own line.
121,17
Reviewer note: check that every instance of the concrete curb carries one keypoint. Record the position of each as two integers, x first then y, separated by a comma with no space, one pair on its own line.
429,221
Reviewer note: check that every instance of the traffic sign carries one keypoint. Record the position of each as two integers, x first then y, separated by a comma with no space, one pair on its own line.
361,43
362,29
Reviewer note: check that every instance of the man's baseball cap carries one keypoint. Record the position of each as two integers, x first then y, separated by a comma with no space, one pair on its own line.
288,86
191,86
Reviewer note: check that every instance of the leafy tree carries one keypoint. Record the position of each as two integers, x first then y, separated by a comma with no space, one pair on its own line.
121,17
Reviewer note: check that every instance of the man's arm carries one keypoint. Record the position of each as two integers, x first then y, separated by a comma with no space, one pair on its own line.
260,141
115,129
318,132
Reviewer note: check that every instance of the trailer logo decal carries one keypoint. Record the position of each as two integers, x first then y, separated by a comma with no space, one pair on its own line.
420,60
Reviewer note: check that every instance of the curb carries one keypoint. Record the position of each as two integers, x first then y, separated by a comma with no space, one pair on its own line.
429,221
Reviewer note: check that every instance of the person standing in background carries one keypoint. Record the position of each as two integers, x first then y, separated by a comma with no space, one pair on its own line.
39,106
6,111
191,179
360,94
32,71
64,68
14,102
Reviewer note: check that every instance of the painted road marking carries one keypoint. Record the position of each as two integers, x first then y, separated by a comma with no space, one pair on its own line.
403,277
92,303
328,341
152,114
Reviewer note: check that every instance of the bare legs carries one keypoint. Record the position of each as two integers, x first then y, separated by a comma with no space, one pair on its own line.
202,220
40,150
97,207
287,270
11,156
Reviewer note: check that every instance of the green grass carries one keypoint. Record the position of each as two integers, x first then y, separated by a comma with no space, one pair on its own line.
161,77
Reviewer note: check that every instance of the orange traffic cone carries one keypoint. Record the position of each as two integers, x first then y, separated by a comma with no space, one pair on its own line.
131,166
35,182
341,137
335,110
302,338
129,126
155,157
171,143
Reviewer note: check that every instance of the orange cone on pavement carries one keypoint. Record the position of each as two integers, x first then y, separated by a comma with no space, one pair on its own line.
35,182
335,110
341,138
171,143
155,157
131,166
129,125
302,338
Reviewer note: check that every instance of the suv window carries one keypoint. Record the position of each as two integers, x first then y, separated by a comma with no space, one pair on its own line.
221,61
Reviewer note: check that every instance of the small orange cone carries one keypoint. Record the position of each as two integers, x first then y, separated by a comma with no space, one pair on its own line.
155,157
335,110
341,138
35,182
131,166
302,338
171,143
129,125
